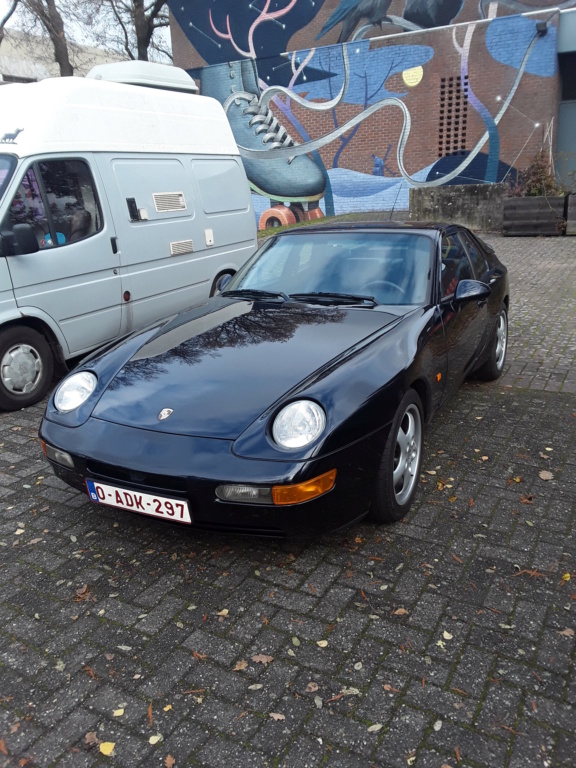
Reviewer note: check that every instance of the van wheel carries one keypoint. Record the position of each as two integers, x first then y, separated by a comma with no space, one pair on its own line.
26,367
219,282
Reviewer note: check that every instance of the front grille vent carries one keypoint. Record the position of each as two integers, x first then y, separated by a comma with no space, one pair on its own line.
113,474
165,202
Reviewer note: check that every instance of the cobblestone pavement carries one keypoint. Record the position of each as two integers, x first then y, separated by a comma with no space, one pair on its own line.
445,640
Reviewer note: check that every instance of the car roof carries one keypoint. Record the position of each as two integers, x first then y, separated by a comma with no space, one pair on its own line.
384,226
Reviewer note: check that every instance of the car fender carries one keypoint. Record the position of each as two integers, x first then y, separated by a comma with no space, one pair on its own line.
360,393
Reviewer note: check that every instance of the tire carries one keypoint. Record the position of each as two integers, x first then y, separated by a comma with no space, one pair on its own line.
491,369
217,284
402,456
26,367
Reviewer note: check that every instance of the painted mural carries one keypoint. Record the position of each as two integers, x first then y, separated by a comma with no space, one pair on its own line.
353,124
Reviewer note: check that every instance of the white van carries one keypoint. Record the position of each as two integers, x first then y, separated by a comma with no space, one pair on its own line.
118,205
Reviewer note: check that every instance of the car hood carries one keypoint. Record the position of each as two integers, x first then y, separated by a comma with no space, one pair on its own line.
217,370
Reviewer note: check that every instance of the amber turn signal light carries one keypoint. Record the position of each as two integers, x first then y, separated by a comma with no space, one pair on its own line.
294,494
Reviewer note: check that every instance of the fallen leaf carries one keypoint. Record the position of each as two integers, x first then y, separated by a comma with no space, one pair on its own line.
155,739
108,656
399,612
91,738
375,728
566,577
318,702
223,612
311,688
390,688
567,632
107,747
118,712
169,761
447,635
277,716
82,593
527,498
295,641
198,656
167,708
255,687
322,643
90,672
261,658
3,749
240,665
458,559
545,474
150,715
430,471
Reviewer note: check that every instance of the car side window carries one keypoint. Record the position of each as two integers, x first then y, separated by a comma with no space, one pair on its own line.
455,265
58,199
476,256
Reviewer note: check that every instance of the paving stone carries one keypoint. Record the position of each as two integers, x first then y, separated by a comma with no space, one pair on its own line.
485,568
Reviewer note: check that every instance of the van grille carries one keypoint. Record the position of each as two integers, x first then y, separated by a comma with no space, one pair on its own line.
169,201
182,246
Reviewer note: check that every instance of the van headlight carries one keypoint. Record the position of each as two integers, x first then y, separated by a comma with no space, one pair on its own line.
298,424
74,391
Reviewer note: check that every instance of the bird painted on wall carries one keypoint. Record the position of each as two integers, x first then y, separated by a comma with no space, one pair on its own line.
432,13
351,12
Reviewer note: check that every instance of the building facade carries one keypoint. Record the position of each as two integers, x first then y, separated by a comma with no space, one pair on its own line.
342,105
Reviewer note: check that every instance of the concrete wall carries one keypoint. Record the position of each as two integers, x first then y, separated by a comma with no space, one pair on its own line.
478,206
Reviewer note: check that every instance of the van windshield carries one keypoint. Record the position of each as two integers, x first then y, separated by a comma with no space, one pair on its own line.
7,165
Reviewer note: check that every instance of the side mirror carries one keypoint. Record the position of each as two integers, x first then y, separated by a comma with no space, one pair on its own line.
24,239
470,290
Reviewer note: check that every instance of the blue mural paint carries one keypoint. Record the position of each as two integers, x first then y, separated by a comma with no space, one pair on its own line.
508,38
474,173
228,30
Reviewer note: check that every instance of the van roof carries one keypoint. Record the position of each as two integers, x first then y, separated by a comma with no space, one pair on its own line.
72,114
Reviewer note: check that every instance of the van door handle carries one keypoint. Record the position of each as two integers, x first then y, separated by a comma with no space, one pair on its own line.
114,243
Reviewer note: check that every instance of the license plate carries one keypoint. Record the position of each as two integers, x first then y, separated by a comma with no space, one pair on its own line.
175,510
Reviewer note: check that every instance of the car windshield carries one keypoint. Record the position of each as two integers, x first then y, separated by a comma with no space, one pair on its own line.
7,165
392,267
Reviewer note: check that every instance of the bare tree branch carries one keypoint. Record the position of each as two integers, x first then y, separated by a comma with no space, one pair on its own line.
6,18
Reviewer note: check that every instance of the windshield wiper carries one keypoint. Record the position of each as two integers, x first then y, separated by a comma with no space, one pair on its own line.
322,297
254,293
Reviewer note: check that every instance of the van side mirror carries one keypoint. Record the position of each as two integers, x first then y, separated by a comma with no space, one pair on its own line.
24,239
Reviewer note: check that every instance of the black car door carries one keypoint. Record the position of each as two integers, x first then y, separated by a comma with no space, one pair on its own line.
464,323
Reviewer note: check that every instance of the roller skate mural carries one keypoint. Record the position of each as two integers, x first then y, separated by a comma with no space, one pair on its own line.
334,128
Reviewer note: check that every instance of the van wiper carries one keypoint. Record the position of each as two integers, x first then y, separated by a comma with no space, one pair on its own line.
254,293
322,297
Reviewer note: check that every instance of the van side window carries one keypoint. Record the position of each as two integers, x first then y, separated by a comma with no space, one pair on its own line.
58,199
72,199
27,207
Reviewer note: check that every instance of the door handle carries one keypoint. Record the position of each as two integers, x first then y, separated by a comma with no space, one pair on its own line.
114,244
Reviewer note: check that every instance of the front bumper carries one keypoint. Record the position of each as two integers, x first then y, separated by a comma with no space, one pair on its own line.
191,468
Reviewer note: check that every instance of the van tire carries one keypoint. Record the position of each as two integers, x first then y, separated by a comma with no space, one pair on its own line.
216,285
26,367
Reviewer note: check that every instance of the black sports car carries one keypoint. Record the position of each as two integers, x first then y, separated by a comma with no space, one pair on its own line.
295,401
